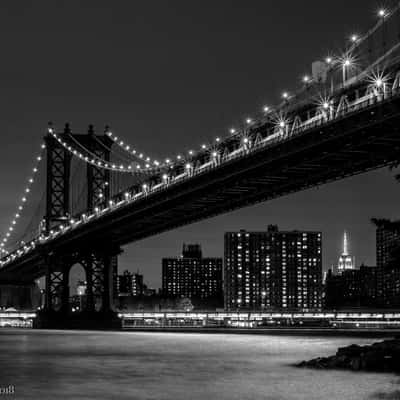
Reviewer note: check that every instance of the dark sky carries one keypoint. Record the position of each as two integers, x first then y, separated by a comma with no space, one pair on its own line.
167,76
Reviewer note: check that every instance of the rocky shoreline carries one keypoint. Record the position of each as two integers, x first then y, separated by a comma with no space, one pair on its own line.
378,357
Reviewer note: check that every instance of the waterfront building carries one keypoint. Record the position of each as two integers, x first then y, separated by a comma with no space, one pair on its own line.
346,261
273,270
130,284
193,276
388,262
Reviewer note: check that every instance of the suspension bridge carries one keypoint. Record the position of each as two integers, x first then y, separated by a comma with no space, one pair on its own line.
102,193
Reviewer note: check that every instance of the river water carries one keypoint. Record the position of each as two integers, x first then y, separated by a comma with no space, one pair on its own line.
135,365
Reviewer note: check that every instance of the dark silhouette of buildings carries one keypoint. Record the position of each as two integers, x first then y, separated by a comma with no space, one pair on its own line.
130,284
193,276
352,288
273,270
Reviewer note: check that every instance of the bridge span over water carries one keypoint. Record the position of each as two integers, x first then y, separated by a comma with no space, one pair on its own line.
344,121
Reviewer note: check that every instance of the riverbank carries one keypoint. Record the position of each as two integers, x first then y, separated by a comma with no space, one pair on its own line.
377,357
363,333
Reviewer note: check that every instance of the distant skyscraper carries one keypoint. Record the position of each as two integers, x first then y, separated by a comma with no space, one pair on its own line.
273,270
192,276
346,261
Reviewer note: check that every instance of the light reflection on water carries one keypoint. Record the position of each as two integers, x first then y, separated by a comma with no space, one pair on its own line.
127,365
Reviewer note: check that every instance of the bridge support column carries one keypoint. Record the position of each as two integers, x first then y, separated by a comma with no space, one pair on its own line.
57,289
101,270
58,181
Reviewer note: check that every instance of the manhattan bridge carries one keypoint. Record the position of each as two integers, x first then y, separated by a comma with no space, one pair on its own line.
100,192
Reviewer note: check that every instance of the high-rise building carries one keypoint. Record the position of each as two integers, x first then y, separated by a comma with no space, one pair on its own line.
346,261
388,262
273,270
194,276
130,284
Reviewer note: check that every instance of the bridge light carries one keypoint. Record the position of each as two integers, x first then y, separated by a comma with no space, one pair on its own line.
214,154
126,194
178,156
188,166
379,82
217,139
39,158
328,60
71,221
138,166
147,159
266,109
354,38
144,186
306,79
285,95
246,140
282,124
346,62
35,169
382,13
191,152
127,147
248,121
24,199
165,177
325,105
141,155
43,146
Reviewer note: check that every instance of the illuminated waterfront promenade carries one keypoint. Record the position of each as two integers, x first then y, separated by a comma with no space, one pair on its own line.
359,321
262,320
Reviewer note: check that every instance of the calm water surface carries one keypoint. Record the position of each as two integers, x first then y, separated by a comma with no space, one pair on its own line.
128,365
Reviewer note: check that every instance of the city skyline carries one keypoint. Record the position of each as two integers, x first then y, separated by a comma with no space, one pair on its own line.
349,203
200,200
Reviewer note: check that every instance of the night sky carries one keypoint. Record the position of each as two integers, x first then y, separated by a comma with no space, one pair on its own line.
168,76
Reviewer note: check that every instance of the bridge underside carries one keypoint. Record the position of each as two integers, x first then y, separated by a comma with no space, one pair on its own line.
362,141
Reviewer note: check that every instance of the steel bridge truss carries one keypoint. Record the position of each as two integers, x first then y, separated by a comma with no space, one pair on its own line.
99,265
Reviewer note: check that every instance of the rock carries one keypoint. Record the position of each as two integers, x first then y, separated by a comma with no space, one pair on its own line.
379,357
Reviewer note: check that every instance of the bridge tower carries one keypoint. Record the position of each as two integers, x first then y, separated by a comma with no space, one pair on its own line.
99,260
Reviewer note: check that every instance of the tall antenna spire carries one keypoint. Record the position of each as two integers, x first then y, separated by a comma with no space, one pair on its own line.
345,245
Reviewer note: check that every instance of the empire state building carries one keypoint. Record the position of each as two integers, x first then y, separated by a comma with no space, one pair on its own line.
346,261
